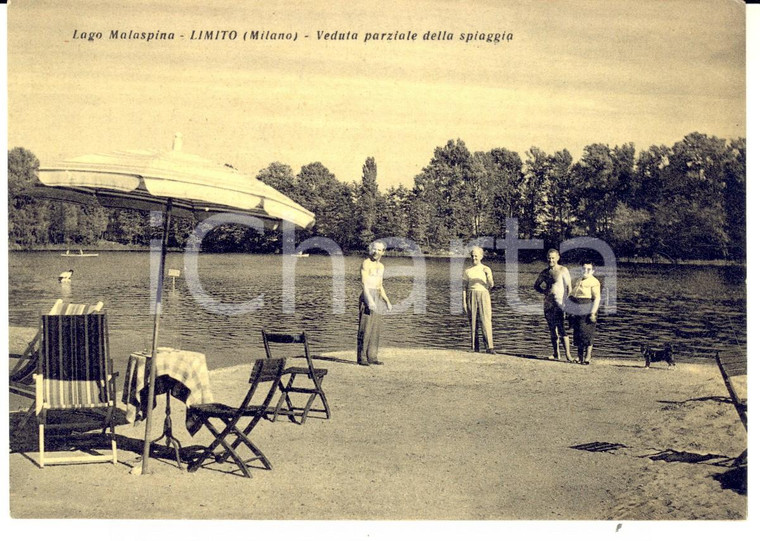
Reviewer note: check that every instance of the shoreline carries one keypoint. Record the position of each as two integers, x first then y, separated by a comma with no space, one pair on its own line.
358,253
440,435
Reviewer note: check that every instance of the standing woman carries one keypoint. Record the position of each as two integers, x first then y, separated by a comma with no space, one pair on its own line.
368,335
584,300
477,282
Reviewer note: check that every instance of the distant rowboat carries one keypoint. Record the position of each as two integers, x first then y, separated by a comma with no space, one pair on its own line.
80,254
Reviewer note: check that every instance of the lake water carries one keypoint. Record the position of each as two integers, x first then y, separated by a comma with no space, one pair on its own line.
696,308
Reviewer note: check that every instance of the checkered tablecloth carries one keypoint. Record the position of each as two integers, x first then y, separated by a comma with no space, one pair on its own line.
184,374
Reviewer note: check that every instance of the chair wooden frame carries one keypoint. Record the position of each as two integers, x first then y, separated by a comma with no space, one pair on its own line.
740,404
75,384
21,376
264,370
309,380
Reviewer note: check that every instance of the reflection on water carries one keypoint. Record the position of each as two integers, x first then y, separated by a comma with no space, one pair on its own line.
696,308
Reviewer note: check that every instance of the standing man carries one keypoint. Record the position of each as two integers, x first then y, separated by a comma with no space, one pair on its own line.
554,284
477,282
368,337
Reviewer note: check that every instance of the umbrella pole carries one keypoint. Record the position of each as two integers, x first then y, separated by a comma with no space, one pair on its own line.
156,321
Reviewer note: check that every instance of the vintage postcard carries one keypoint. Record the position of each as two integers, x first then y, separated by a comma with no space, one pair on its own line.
501,247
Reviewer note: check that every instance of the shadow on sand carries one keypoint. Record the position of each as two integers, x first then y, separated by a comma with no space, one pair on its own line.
734,478
23,434
719,399
24,438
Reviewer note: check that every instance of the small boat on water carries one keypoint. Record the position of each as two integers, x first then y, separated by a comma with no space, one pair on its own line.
69,253
300,254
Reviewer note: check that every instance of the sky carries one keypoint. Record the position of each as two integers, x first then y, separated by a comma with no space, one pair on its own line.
574,73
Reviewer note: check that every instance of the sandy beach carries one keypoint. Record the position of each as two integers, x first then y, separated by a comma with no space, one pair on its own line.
436,434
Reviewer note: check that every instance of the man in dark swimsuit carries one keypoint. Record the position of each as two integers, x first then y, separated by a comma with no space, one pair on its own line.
554,284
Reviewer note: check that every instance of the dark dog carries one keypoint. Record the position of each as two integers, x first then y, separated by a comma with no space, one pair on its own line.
654,355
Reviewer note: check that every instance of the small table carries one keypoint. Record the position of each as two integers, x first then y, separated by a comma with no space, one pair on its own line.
181,374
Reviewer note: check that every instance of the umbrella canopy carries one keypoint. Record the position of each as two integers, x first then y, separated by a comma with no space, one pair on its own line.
171,181
146,179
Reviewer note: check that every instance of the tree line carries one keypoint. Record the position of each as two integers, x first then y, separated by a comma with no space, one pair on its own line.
685,201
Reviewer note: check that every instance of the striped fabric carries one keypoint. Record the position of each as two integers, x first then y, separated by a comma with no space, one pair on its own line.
75,361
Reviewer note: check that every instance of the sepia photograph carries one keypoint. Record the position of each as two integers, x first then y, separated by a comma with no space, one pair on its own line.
473,266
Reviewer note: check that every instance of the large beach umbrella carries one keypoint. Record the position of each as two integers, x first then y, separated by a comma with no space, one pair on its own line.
175,183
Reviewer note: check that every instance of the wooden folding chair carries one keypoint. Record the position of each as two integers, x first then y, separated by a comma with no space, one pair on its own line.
75,384
230,437
303,379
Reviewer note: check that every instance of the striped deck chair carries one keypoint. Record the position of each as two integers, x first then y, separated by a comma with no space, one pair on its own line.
75,383
21,376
